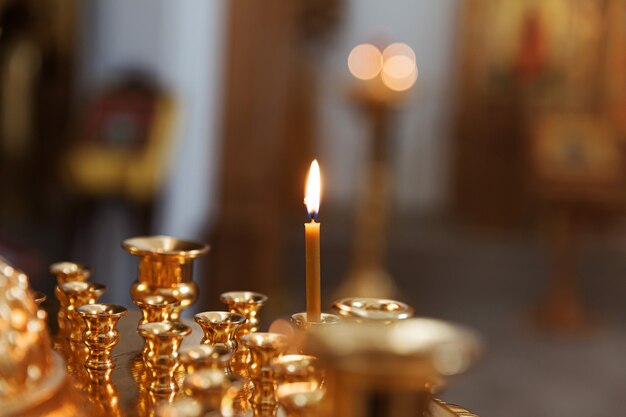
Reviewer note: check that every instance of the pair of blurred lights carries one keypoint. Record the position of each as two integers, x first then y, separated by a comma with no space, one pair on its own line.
395,65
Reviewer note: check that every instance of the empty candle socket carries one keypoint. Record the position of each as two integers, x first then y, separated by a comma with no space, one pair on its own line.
379,310
248,304
156,307
101,334
210,388
219,327
161,356
196,358
78,293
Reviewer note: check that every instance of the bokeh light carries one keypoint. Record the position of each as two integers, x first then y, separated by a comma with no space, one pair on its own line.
365,61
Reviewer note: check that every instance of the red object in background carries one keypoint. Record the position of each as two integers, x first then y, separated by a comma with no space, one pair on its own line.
532,54
120,117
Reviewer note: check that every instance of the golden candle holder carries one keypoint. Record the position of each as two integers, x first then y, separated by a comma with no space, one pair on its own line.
384,370
380,310
209,387
165,262
219,327
248,304
298,368
161,357
196,358
70,271
78,293
302,326
264,349
66,272
157,307
101,334
300,399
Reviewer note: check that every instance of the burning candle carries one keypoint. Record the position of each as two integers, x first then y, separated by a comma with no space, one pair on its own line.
312,240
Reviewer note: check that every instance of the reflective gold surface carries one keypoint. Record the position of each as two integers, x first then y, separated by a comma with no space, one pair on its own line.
264,349
33,381
101,334
165,262
374,309
219,327
161,357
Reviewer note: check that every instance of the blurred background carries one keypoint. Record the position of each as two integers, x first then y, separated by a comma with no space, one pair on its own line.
472,156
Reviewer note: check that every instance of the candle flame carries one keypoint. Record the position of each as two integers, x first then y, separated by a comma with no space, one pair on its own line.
313,190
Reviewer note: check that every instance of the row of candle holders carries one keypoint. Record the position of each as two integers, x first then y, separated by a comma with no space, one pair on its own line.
233,370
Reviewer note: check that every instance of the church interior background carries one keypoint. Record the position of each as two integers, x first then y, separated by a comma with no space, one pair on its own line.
488,188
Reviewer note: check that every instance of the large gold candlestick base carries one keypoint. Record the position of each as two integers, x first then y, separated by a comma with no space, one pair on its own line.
161,357
383,371
101,334
166,263
264,349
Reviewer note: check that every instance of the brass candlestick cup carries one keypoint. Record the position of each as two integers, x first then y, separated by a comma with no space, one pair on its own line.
196,358
78,293
156,307
165,262
209,387
301,325
248,304
264,349
300,399
66,272
101,334
379,310
161,356
219,327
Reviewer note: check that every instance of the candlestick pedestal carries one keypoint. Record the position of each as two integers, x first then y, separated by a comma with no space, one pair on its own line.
101,334
165,263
